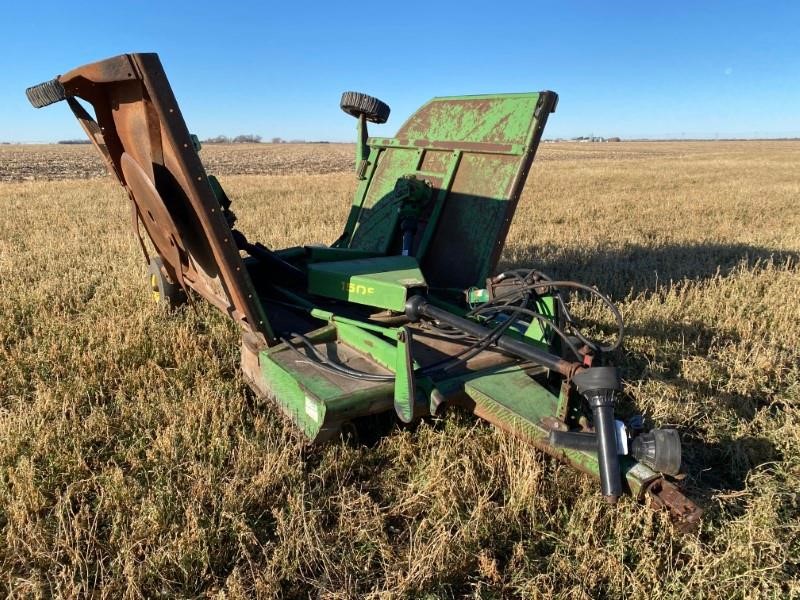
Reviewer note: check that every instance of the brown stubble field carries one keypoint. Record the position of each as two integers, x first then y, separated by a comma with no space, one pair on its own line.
81,161
135,462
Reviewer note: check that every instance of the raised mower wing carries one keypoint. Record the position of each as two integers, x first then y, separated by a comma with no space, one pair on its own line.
141,134
475,153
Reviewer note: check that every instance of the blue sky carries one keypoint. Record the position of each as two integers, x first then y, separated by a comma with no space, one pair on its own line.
632,69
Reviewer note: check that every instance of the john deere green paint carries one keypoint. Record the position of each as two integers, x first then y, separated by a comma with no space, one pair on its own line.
383,282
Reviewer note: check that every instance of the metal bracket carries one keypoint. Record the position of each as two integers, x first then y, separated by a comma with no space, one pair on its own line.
404,386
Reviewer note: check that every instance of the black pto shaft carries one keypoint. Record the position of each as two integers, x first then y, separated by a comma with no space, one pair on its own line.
418,306
599,386
659,449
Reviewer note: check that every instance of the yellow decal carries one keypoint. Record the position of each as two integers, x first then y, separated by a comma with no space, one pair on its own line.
357,288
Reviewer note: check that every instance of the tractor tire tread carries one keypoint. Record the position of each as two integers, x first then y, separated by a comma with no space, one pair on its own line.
357,104
46,93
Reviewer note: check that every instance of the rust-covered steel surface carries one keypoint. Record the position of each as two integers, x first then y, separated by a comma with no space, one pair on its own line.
664,495
140,132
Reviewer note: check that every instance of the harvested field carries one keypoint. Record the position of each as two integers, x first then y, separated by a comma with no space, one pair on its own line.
48,162
135,462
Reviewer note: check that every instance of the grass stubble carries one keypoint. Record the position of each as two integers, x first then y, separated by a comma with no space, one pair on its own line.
135,462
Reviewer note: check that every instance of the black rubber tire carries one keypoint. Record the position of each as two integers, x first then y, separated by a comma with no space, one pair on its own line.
46,93
164,291
357,104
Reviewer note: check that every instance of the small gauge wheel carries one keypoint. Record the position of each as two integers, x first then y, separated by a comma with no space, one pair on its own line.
163,290
357,104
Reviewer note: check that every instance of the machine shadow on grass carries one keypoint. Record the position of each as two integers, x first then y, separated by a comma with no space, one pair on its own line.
635,269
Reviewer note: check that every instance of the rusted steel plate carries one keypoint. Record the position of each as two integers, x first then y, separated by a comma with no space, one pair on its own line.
141,133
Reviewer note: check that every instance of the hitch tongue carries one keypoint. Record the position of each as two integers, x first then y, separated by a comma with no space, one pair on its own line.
599,386
684,513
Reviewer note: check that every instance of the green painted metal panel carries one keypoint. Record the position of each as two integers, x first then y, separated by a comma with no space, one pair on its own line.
538,331
317,401
305,410
445,186
378,349
373,160
511,390
375,215
475,153
326,315
467,119
404,377
381,282
428,145
472,222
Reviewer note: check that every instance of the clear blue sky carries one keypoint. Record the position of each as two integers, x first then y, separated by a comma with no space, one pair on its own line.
633,69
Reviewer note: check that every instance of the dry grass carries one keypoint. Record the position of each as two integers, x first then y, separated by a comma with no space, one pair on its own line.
134,462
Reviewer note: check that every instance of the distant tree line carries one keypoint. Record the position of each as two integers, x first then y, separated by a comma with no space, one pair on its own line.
248,138
277,140
74,142
254,139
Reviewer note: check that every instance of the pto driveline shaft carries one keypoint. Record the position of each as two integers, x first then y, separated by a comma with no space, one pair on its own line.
418,306
599,386
574,440
610,476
